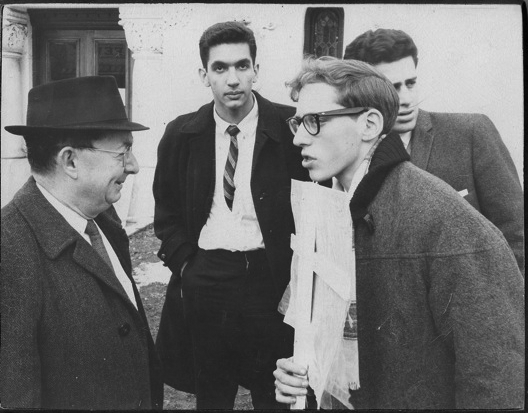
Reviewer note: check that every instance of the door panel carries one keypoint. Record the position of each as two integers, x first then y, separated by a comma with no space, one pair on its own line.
64,54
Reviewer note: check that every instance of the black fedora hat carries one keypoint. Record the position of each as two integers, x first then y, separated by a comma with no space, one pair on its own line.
82,103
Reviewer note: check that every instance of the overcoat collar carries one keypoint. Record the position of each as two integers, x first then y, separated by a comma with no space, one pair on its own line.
389,153
422,140
55,235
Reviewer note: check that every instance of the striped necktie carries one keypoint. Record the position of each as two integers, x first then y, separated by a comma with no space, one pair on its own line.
229,171
97,242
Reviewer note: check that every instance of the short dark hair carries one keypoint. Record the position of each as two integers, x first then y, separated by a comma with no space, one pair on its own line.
226,32
357,84
382,46
42,147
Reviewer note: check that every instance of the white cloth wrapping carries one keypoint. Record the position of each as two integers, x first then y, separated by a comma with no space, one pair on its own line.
321,340
330,352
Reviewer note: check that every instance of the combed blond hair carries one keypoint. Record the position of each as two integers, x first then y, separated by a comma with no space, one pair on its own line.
357,84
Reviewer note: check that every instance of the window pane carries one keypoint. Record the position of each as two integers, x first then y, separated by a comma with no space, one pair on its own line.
62,59
111,60
326,34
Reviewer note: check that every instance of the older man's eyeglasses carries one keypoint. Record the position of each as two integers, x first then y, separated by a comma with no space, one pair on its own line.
312,121
124,155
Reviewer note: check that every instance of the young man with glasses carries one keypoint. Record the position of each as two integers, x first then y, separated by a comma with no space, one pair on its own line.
440,307
463,149
74,331
223,214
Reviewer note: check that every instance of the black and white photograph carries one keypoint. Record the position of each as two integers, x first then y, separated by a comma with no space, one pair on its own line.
262,206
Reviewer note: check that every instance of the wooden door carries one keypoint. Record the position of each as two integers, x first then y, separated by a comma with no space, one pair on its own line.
74,43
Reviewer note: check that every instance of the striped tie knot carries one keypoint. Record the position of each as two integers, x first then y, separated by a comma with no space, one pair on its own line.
230,166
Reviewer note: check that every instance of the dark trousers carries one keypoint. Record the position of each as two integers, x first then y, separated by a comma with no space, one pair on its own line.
238,335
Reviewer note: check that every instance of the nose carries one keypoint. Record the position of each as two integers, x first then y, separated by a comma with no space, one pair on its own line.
405,96
302,138
131,164
232,77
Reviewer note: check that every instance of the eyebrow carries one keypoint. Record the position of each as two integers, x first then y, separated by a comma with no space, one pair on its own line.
221,63
405,81
128,143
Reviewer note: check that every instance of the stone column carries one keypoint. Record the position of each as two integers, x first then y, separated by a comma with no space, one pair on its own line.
144,27
15,169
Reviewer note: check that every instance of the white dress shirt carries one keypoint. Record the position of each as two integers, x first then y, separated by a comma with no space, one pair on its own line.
236,229
406,139
79,224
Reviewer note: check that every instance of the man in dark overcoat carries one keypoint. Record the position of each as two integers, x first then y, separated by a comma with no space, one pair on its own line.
223,214
74,331
463,149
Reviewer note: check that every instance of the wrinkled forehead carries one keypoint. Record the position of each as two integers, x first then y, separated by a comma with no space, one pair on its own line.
124,138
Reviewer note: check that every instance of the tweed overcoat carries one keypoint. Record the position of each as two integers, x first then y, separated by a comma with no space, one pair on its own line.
440,298
183,190
467,152
71,337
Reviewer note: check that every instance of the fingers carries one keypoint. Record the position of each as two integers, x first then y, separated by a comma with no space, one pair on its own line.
290,367
290,381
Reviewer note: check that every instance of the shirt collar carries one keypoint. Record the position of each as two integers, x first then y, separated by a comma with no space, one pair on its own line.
73,218
247,125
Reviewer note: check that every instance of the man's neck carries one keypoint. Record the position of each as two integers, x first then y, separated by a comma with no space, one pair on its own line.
60,191
237,115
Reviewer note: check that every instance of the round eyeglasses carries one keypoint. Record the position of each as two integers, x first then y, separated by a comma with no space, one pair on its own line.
125,155
312,123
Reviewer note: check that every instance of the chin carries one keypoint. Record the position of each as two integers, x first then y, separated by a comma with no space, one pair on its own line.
404,127
318,176
112,200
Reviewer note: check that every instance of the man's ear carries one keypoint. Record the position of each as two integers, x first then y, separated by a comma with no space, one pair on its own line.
68,161
256,69
203,76
373,125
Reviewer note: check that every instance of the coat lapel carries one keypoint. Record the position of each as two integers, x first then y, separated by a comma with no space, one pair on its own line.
110,223
422,140
55,235
267,127
201,131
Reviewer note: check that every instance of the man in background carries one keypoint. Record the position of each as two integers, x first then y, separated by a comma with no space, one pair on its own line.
74,332
223,214
464,150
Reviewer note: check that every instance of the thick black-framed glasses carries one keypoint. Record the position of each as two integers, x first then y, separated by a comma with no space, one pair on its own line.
312,123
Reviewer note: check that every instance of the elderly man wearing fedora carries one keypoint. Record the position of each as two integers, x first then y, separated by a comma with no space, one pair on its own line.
74,332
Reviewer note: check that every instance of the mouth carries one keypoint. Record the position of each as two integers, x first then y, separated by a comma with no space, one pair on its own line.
307,161
233,95
405,116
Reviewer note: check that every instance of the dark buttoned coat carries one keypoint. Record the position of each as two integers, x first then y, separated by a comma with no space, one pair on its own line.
467,152
184,184
71,337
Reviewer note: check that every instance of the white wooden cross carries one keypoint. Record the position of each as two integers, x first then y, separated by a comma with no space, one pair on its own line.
322,284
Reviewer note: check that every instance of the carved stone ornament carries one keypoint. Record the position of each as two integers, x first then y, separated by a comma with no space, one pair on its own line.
260,29
179,15
13,38
144,36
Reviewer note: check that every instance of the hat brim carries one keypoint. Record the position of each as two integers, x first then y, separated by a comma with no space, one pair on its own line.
114,125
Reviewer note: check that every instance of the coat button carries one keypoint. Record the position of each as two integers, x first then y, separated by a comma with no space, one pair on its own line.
263,195
124,329
163,256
